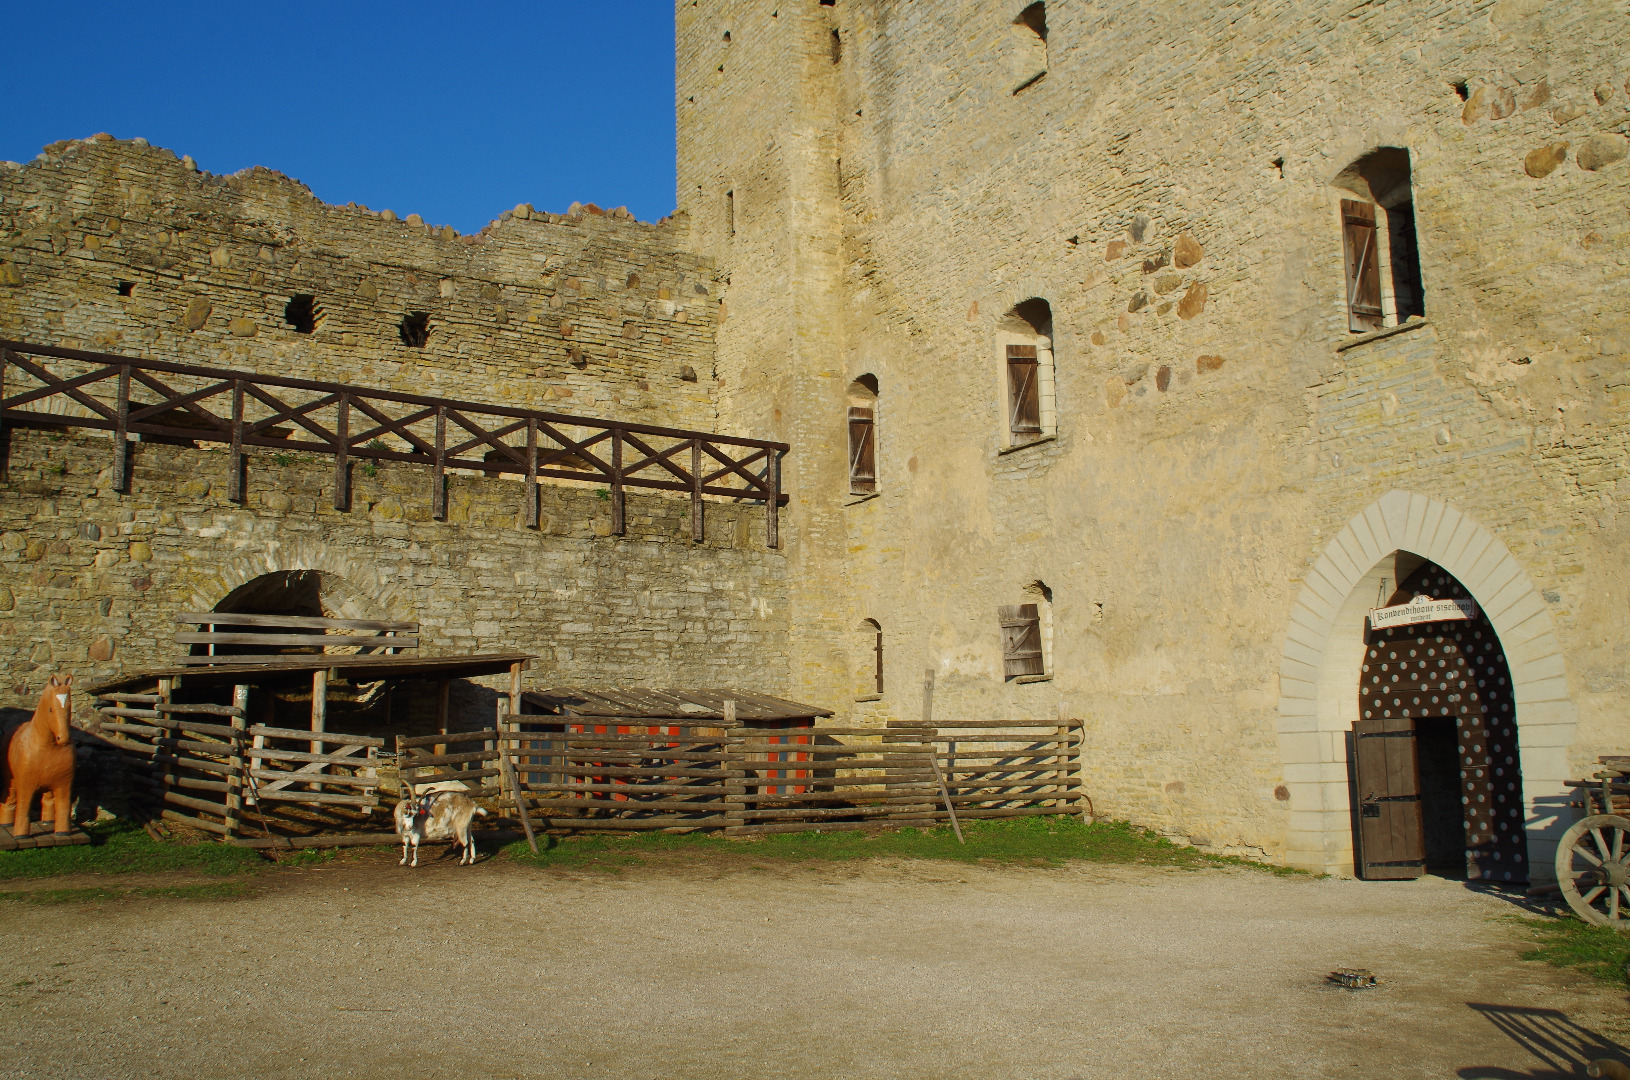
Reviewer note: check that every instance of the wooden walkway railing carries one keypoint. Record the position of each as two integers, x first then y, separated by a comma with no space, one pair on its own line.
42,386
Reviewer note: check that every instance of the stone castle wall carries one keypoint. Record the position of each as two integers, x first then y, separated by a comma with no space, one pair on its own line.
121,247
1168,186
587,314
90,578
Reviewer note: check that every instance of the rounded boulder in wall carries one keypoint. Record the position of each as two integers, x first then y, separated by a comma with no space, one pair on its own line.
1543,161
1601,150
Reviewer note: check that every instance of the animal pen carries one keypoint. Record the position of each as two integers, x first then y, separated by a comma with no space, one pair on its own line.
564,760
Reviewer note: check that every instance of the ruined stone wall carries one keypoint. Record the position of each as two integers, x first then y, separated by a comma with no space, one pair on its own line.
589,313
1211,439
90,578
120,247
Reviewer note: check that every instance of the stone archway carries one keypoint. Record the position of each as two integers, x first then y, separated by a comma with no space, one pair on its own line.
351,589
1323,653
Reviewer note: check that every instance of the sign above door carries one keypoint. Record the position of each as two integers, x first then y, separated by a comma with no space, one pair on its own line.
1422,609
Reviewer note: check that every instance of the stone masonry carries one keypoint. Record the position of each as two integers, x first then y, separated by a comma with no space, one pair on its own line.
871,195
92,578
120,247
882,183
589,313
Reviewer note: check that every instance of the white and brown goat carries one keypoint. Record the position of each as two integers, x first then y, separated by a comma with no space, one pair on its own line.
437,815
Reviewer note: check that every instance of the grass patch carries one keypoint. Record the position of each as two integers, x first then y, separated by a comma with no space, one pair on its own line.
1599,951
121,847
215,890
1035,841
307,856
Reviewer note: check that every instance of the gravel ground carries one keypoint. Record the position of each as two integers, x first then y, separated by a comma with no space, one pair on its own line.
734,969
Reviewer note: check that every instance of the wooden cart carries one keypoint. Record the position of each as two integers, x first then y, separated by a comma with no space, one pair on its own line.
1593,856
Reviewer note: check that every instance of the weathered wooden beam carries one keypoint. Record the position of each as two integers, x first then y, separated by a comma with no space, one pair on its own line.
438,489
772,504
534,494
319,709
696,533
236,461
618,524
342,455
121,433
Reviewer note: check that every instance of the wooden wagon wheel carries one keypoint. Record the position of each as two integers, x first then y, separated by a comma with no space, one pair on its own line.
1593,869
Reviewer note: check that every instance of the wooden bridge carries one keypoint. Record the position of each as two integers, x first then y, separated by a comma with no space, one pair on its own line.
47,387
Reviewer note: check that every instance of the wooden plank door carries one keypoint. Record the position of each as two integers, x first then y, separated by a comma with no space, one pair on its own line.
1391,840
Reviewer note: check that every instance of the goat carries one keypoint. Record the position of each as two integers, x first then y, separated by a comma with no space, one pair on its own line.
438,815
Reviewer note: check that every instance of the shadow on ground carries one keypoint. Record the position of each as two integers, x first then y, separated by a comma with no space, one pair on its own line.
1561,1047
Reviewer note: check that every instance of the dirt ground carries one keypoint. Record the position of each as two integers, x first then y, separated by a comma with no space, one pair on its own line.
740,969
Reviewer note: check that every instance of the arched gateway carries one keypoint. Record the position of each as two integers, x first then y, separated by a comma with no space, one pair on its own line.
1404,542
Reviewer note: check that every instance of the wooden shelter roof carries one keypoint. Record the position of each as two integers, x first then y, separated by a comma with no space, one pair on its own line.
705,704
359,667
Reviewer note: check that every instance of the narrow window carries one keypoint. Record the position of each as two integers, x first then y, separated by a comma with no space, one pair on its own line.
1021,641
301,313
863,435
415,329
1024,337
1381,254
1363,266
837,47
1408,296
872,635
730,211
1027,47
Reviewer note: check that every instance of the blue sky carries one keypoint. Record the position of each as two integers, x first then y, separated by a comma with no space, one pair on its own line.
455,111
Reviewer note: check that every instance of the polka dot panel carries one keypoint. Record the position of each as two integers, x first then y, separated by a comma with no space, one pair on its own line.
1457,669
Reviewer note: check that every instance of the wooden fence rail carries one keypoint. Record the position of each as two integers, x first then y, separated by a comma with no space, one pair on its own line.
677,775
43,386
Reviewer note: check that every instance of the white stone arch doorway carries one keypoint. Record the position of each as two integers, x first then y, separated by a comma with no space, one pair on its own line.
1324,651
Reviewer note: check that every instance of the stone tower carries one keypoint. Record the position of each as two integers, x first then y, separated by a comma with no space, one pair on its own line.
1188,332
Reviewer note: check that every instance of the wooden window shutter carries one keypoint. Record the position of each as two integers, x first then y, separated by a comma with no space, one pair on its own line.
1024,417
862,451
1363,266
1021,641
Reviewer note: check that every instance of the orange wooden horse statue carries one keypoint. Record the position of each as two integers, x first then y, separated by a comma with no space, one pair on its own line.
40,758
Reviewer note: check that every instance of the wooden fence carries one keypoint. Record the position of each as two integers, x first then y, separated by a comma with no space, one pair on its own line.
757,780
204,766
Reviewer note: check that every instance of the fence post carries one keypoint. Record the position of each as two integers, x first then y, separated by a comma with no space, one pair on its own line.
534,495
235,482
1062,759
166,688
735,760
342,455
121,433
319,714
235,779
619,509
934,752
772,506
438,493
696,533
507,762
